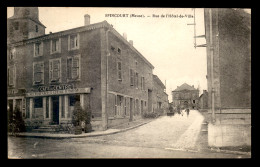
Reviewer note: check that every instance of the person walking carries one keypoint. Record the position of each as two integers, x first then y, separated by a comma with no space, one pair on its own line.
188,112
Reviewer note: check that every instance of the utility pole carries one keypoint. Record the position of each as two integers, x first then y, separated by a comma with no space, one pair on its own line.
211,64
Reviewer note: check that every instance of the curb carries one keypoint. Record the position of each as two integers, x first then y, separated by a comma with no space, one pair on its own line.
82,136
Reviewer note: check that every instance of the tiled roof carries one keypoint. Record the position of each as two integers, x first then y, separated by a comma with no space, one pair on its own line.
184,87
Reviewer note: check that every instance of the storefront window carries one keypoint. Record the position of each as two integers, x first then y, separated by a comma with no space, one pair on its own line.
73,99
38,102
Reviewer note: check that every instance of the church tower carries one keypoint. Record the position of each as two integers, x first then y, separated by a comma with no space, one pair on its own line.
24,24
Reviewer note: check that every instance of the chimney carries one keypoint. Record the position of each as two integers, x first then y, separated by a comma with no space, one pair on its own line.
87,19
125,36
131,42
193,86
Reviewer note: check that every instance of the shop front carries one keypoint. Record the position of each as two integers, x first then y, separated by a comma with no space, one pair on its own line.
53,107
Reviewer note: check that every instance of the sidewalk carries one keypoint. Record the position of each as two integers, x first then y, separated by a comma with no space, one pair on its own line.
112,130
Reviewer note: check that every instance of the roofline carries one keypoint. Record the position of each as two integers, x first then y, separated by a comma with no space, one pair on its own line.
102,24
159,81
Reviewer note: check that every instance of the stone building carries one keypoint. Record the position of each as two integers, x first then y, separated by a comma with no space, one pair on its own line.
228,37
160,97
185,96
92,64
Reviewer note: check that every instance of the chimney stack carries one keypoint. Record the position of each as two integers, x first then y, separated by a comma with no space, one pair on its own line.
125,36
131,42
87,19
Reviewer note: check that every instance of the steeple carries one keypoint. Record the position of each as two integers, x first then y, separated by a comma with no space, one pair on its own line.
24,24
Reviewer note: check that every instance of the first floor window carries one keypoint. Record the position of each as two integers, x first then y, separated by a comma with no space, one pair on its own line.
38,102
73,67
131,77
119,70
136,80
55,71
142,83
73,42
38,73
11,76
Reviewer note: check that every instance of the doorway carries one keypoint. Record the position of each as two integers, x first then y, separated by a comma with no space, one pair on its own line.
55,111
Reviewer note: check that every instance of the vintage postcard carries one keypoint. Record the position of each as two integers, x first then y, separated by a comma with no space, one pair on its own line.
99,82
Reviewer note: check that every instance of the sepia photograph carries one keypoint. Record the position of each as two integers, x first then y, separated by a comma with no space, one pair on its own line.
128,82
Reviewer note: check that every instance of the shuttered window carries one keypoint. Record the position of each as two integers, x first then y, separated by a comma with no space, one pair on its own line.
73,67
131,77
11,76
119,70
38,70
55,71
142,83
136,80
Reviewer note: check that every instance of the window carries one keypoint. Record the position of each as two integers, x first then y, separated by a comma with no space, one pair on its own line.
16,25
136,80
131,77
119,70
11,76
73,67
38,102
142,83
73,99
12,54
54,69
36,28
38,49
112,48
73,42
119,50
193,101
55,45
125,106
38,73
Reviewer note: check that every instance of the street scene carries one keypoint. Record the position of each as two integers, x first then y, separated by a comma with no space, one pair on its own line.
172,137
87,82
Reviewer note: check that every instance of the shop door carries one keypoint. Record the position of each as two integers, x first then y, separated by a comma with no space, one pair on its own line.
55,111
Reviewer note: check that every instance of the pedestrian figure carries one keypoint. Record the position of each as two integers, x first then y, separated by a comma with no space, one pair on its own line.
187,111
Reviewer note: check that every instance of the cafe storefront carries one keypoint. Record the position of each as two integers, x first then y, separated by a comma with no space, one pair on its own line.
52,105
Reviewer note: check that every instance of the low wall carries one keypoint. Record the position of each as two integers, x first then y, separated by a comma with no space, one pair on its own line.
232,128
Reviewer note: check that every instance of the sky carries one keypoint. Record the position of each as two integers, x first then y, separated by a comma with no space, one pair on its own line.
166,42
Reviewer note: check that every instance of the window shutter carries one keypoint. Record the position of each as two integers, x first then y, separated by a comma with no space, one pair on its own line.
69,67
75,69
69,42
56,69
131,77
119,70
51,47
59,45
41,49
37,73
11,75
78,41
51,70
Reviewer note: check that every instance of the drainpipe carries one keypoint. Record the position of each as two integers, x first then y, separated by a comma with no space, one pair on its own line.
105,114
211,63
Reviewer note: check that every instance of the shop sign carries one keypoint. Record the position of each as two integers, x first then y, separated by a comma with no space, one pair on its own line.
59,92
54,87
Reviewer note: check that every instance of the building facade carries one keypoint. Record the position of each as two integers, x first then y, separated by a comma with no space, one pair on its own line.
203,100
160,97
185,96
92,64
228,37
